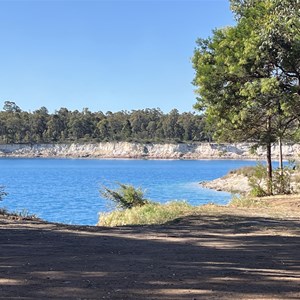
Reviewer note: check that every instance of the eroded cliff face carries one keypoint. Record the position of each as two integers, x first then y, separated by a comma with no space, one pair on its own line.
150,151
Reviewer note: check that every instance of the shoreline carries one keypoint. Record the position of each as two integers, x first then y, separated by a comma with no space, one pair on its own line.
146,151
129,158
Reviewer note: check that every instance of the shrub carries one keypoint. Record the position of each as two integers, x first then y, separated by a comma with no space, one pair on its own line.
126,196
257,181
150,213
281,181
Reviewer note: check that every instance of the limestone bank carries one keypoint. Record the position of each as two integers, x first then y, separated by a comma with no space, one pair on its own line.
147,151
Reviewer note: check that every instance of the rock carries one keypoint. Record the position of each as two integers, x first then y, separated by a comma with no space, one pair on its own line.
232,183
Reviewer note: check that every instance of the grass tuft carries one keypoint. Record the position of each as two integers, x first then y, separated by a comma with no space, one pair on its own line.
247,171
23,214
151,213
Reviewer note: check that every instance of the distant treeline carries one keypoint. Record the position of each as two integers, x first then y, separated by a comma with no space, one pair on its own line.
146,125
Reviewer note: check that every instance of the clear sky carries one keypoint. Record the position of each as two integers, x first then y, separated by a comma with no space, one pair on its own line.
105,55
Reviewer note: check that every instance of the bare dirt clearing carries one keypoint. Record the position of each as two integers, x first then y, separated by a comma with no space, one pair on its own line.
231,254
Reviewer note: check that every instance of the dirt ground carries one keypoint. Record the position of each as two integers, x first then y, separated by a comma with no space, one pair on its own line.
233,254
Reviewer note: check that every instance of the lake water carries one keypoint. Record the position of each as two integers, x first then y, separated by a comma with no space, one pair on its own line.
67,190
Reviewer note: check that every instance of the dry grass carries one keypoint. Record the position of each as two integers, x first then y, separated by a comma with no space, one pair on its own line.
247,171
152,213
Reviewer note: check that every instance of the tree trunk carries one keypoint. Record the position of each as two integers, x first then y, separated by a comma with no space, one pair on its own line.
280,155
269,168
269,159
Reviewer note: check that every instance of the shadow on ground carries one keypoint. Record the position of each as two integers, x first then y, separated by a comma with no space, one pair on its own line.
201,257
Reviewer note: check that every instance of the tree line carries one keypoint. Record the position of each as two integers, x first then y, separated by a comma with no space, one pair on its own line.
145,125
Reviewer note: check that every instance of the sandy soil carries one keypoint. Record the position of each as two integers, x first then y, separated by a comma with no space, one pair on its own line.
231,254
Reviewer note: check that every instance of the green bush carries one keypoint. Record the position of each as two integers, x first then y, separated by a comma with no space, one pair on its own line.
125,196
258,180
281,181
150,213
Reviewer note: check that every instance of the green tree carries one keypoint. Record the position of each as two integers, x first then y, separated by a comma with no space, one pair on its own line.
139,121
103,129
247,90
53,129
39,119
11,106
126,130
172,127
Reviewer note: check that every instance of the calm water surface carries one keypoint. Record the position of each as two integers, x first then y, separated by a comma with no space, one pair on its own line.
67,190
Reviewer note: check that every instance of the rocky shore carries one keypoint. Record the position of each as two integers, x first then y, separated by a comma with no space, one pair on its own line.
239,183
148,151
234,183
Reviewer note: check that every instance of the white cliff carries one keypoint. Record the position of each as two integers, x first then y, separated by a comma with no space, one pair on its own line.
149,150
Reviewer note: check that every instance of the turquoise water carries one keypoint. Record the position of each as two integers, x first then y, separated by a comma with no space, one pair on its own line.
67,190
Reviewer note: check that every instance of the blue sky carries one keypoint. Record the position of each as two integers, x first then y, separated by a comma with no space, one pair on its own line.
105,55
